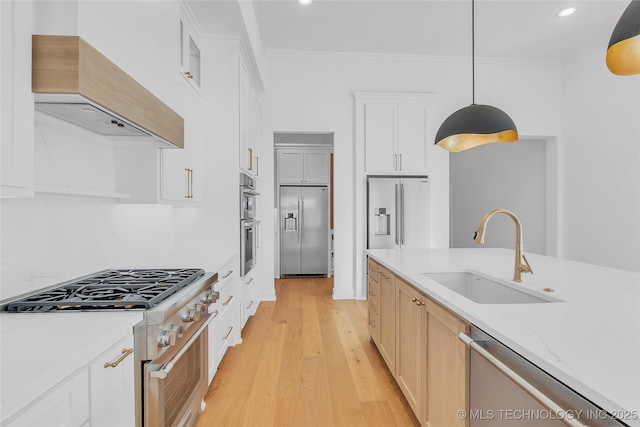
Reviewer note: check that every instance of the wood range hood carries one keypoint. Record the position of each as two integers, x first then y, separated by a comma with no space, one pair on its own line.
74,82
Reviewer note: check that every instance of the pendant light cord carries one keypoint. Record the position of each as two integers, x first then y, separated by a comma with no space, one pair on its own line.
473,52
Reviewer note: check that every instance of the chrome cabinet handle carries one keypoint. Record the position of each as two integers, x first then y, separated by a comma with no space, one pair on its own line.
400,161
250,158
250,304
229,273
125,353
228,333
525,385
188,74
249,282
228,300
257,166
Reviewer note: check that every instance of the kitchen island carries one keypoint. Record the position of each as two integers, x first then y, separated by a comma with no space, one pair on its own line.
589,339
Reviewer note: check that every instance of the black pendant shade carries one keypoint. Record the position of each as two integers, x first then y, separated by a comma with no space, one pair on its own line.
623,53
475,125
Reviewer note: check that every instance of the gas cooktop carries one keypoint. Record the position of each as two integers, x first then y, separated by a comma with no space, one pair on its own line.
109,290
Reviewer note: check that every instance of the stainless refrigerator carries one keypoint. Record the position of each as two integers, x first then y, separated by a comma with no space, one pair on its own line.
304,231
398,212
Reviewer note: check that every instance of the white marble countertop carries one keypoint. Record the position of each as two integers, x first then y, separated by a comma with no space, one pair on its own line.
39,350
590,341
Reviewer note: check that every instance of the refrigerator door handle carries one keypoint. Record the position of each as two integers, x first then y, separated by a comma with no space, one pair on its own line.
299,220
397,216
302,220
402,217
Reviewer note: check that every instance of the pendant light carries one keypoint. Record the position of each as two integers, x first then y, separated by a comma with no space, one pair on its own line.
476,124
623,53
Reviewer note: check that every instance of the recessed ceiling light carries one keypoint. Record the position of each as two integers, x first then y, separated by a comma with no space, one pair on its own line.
305,2
566,12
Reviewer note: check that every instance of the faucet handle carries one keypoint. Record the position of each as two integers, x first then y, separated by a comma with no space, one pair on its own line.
527,268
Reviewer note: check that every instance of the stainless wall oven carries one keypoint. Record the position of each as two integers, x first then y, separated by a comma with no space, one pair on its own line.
249,226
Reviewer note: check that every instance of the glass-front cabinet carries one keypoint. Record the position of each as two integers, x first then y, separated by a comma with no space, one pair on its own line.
190,58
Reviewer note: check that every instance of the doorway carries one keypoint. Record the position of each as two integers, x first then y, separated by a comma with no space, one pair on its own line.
303,200
519,177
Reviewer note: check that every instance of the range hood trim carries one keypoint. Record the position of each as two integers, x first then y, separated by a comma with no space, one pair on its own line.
67,70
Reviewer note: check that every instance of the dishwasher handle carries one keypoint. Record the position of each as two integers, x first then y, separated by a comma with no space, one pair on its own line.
562,414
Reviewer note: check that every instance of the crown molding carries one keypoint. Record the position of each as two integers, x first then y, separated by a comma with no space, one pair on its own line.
395,57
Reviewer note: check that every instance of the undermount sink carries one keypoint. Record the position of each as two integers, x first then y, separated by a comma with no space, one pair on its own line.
485,291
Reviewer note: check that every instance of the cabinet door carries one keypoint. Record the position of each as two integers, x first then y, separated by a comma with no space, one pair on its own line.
65,405
113,387
410,345
291,166
380,137
447,369
190,56
387,313
182,170
316,167
16,102
246,148
412,138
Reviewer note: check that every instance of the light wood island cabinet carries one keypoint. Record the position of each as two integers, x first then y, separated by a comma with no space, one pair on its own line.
447,376
418,339
411,348
387,345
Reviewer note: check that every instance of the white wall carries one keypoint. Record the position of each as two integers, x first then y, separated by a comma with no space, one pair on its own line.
599,163
509,176
314,93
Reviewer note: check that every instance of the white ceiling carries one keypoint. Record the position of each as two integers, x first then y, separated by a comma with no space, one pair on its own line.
504,28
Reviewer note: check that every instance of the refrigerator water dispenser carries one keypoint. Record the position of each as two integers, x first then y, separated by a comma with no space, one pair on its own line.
381,222
290,223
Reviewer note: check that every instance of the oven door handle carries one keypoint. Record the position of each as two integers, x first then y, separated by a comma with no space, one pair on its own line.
166,368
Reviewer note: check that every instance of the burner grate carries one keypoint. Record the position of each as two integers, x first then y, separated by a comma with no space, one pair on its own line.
110,290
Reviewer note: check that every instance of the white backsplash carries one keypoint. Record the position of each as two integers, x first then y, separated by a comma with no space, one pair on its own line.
53,238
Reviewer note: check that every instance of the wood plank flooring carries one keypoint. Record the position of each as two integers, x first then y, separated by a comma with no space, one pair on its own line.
305,360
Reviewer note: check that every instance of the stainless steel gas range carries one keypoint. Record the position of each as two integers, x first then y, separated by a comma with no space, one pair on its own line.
170,343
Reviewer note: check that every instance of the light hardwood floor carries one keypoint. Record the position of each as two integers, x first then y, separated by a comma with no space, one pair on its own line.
305,360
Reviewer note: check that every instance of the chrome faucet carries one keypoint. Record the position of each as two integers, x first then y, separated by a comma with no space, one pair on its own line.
519,266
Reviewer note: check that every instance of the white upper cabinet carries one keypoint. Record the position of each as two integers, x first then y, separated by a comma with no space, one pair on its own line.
298,166
16,102
190,54
182,170
380,137
249,123
396,135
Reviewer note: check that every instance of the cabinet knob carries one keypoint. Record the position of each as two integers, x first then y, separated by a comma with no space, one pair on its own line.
414,299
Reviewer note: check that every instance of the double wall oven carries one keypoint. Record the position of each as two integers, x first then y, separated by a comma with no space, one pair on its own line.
249,225
170,342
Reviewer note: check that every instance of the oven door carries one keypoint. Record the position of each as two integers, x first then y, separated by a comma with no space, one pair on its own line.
175,389
248,245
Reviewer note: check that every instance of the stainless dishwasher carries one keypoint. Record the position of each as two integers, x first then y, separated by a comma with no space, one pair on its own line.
507,390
